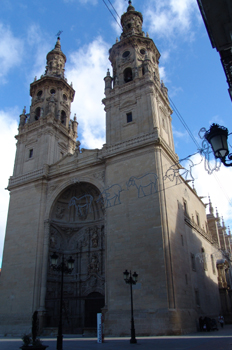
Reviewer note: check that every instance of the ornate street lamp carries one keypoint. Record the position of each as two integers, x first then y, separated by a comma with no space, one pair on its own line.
131,280
217,137
66,266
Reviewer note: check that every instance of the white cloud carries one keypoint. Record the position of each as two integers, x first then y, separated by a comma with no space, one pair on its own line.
39,46
11,51
86,69
162,73
180,134
218,186
7,145
93,2
166,18
120,6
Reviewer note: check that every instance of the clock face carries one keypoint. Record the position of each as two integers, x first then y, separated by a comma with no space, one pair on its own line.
126,54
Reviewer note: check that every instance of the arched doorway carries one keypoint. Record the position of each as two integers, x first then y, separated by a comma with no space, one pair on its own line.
77,230
93,305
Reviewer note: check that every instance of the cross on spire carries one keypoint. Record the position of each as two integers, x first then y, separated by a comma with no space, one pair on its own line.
59,33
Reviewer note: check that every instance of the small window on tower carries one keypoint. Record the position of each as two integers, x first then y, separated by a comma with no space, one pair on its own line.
31,153
37,113
128,75
39,94
63,118
129,117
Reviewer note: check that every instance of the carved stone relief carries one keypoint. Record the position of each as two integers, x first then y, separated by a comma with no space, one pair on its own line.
76,230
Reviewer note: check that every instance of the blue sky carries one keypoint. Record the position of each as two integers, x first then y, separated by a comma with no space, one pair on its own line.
189,67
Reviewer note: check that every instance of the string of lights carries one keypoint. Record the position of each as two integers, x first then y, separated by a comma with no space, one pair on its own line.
198,147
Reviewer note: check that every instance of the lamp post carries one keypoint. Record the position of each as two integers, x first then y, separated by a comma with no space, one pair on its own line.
63,267
217,137
131,279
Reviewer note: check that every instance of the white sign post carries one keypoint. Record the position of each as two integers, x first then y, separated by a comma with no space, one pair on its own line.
99,328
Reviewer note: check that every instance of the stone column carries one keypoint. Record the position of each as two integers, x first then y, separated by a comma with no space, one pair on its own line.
44,273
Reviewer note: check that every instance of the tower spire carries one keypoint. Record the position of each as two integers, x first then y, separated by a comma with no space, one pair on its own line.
56,60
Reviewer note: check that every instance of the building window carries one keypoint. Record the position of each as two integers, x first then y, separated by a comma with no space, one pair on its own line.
129,117
163,123
198,220
204,259
213,264
197,298
193,262
185,207
31,153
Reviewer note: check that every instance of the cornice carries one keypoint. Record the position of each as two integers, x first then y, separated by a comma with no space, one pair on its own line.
40,126
133,40
206,235
136,86
143,140
15,181
50,80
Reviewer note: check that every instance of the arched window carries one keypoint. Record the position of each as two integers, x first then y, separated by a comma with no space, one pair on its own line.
128,75
63,118
37,113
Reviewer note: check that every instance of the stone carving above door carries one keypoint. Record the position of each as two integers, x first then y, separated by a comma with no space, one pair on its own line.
78,203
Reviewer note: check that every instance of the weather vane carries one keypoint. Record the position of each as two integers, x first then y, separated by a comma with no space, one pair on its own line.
59,33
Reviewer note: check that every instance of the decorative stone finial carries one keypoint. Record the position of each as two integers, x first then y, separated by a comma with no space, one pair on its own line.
108,72
24,110
116,40
229,232
223,223
211,210
130,7
75,117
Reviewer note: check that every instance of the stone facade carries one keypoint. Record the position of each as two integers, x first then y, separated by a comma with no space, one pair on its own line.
122,206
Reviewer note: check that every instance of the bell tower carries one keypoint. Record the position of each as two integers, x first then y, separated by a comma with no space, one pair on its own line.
136,102
47,133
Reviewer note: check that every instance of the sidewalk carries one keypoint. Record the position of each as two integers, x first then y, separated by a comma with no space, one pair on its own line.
217,340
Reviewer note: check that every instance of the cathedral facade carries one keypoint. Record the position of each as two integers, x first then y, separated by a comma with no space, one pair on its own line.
125,206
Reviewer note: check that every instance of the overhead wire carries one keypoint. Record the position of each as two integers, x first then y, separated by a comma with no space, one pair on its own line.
112,13
114,10
183,122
